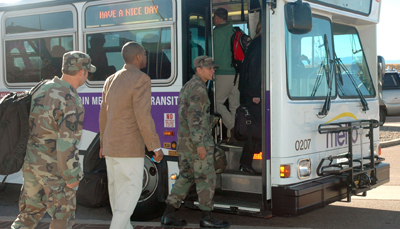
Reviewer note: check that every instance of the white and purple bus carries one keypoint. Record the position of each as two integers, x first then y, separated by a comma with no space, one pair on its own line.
320,141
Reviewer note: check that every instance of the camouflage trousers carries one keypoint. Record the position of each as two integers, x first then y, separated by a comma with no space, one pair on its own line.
37,198
194,170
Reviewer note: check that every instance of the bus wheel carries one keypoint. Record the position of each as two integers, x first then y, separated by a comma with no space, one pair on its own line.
382,115
148,206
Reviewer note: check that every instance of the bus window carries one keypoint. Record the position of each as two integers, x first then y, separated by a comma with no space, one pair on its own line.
349,50
306,61
197,41
32,60
105,51
39,22
34,44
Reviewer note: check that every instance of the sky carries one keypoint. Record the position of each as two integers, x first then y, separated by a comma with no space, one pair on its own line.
388,32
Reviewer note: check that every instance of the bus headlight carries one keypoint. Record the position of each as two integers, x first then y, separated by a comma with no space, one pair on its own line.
304,168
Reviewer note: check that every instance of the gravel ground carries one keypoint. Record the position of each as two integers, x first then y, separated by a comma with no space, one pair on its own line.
389,133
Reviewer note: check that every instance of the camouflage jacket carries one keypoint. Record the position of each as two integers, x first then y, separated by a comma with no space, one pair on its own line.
194,117
55,124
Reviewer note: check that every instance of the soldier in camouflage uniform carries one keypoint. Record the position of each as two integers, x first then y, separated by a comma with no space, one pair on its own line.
51,170
195,149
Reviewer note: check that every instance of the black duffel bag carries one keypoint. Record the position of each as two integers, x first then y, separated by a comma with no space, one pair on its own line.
248,123
93,189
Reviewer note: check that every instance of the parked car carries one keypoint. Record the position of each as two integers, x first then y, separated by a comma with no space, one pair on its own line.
390,94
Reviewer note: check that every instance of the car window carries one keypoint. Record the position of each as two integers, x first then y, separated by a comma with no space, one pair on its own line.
391,81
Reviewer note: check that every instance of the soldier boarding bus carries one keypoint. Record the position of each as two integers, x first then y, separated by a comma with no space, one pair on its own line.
320,135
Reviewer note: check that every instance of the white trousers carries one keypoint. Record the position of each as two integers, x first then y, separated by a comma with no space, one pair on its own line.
125,177
224,89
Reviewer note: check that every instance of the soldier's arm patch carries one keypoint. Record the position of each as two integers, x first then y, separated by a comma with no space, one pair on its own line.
74,121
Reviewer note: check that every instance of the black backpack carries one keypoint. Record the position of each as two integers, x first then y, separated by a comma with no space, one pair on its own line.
239,43
14,129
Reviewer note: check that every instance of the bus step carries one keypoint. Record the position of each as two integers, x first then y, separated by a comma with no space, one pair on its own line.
233,158
235,180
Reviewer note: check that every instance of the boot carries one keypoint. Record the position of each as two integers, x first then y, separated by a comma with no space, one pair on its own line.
248,169
168,220
207,221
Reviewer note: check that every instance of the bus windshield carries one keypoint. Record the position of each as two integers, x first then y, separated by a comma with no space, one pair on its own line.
350,52
307,62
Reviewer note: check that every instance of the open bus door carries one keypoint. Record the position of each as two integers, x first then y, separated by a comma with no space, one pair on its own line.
196,34
237,192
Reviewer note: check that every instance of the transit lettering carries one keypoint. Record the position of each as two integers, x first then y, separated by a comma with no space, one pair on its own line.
164,100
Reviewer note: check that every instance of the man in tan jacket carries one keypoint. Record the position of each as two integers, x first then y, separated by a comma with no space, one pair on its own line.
126,127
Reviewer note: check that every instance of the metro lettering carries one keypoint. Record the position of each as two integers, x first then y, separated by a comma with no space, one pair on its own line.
340,139
96,100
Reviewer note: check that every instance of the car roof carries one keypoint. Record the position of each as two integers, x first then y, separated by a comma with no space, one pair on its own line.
391,71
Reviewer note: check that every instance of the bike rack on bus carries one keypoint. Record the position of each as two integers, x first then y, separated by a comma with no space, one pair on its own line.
350,167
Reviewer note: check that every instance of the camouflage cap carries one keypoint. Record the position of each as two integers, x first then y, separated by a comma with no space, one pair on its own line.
75,61
204,61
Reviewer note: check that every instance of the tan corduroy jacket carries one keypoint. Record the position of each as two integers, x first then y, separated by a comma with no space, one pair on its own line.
126,124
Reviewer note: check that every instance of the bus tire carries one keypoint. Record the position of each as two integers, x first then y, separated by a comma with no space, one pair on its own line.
150,205
382,115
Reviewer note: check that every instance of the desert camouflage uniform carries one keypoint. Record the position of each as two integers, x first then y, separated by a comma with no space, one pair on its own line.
194,131
52,160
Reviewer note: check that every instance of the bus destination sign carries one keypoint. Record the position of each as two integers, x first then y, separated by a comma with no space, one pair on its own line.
127,13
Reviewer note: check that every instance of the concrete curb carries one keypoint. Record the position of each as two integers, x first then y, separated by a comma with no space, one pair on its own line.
389,143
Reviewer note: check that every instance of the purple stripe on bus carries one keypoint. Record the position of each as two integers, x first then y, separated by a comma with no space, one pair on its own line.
268,124
164,111
163,105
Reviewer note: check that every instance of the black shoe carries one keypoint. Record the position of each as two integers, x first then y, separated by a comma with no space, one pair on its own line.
169,221
248,169
209,222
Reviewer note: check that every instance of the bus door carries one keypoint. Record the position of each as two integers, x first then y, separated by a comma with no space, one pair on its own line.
243,15
236,191
196,34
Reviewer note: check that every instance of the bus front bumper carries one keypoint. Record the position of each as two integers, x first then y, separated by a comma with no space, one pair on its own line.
304,197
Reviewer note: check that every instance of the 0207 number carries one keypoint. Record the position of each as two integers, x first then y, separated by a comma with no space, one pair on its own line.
302,144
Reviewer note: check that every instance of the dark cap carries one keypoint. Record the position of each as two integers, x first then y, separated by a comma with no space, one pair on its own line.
75,61
204,61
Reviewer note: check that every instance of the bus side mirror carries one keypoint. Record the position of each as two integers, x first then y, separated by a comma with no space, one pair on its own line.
381,73
298,17
381,67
